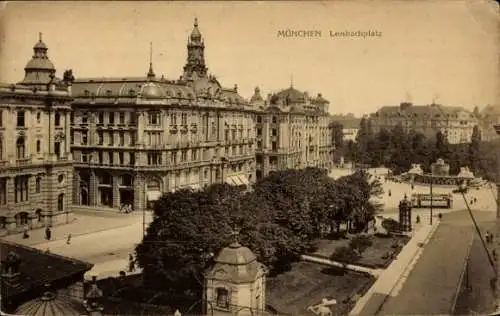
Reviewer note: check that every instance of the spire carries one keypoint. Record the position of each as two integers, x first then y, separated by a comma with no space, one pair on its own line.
291,81
151,73
195,22
40,37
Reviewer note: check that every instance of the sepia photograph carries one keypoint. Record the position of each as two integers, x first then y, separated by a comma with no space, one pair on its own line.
250,158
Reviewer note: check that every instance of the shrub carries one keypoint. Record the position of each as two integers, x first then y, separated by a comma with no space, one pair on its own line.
344,254
360,243
391,225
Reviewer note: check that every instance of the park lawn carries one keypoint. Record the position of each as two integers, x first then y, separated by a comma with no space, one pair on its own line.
306,284
371,257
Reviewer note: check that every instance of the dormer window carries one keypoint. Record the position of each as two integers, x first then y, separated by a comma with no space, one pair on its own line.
179,95
222,297
108,93
86,93
131,92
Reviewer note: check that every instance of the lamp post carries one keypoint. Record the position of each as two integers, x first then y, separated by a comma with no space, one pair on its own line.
497,244
432,198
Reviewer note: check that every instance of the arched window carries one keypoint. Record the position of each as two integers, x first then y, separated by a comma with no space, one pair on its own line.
20,147
222,297
38,146
60,202
38,184
1,148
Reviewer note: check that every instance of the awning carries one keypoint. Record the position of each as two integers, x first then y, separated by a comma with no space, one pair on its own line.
154,195
229,181
237,180
243,179
194,187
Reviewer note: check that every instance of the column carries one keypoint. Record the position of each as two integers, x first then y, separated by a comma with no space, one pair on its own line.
116,192
93,191
139,192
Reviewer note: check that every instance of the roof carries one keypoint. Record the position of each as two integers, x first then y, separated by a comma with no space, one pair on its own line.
430,111
51,305
236,264
348,122
37,268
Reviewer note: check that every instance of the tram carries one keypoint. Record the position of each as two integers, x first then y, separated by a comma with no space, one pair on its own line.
423,200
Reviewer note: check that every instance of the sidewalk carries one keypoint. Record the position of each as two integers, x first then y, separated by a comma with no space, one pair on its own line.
391,279
83,225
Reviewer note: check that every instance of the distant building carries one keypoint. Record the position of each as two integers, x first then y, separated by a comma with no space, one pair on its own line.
292,131
455,123
39,283
36,169
489,116
350,125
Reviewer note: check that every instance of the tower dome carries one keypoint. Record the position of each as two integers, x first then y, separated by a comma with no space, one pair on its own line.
151,90
51,305
195,34
39,69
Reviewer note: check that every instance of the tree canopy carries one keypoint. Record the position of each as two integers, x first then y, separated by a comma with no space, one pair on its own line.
280,219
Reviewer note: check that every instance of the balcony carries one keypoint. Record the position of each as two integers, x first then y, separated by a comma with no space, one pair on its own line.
23,161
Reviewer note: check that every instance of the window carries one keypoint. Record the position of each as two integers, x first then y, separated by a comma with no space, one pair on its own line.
111,118
38,117
100,118
85,138
85,117
100,138
173,119
21,188
154,158
173,158
184,156
194,154
214,129
121,118
111,139
259,119
259,131
274,146
3,191
110,157
184,119
154,118
57,149
72,137
38,184
274,132
57,119
222,297
1,148
275,120
132,139
20,148
20,118
60,202
120,158
60,178
72,118
132,158
122,139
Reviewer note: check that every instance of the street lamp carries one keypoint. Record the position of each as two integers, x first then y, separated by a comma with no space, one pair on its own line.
432,197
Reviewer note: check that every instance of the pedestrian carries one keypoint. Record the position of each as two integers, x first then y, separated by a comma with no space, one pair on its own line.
412,186
487,237
418,219
48,233
131,263
440,216
25,234
494,253
389,193
68,240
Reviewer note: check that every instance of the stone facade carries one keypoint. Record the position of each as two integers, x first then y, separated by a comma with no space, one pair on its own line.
36,171
455,123
293,131
136,138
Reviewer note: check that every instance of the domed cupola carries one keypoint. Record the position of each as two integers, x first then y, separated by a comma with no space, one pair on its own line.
49,304
151,90
236,283
39,69
195,66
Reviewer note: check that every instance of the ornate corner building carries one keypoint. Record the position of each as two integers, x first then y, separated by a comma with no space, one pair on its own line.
36,169
135,138
293,131
111,142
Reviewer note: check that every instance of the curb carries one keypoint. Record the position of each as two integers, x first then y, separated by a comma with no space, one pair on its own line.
406,270
80,234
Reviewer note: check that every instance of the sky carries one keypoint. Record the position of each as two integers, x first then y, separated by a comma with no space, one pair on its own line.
444,51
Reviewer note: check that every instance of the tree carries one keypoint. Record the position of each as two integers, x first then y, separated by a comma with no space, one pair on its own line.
441,147
68,76
338,138
474,154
